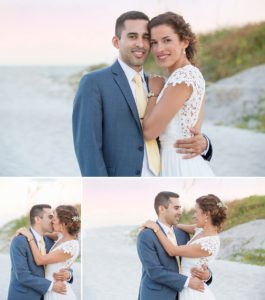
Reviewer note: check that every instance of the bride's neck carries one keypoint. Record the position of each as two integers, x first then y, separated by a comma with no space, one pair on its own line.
66,236
210,229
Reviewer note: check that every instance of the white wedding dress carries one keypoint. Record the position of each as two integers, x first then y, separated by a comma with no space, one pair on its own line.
71,247
212,245
172,163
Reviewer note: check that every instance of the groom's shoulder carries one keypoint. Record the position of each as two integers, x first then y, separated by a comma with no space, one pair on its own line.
19,241
144,234
97,74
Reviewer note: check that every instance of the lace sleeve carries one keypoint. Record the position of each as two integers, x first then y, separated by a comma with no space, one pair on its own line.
210,244
180,76
71,247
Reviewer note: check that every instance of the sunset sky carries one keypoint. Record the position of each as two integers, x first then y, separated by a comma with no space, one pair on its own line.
79,32
129,201
18,195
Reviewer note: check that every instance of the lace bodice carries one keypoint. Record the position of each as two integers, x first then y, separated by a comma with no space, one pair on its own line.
71,247
211,244
188,115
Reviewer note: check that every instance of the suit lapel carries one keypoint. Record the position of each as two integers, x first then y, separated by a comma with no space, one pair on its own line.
124,86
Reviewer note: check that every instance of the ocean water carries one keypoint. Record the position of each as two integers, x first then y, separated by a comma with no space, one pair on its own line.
35,121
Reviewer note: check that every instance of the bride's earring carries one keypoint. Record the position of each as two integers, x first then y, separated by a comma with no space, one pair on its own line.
184,51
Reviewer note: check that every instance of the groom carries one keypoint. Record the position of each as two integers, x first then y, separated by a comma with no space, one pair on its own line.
160,272
27,279
107,132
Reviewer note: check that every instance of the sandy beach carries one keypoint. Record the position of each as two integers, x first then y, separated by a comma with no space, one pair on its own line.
36,129
110,259
5,276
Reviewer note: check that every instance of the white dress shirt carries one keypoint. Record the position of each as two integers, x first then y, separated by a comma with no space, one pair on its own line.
129,73
166,229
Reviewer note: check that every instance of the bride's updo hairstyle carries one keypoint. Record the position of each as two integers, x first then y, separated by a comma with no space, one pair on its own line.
68,215
215,207
181,28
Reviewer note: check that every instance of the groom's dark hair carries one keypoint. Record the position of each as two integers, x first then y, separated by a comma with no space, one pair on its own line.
129,15
163,198
37,211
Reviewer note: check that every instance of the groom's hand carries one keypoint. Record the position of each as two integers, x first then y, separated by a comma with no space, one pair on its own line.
192,146
196,284
202,273
59,287
62,275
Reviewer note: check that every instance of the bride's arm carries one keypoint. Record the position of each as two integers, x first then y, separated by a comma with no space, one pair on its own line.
187,228
50,258
192,251
159,115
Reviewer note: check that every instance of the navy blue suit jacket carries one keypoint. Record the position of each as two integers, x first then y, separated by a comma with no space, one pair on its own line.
27,279
108,136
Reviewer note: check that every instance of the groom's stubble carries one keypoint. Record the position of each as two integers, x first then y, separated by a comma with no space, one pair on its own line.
171,215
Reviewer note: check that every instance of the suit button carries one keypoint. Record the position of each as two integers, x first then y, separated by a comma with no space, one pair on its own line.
138,172
140,148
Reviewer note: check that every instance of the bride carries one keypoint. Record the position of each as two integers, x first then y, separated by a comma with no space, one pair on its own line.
210,214
64,251
175,107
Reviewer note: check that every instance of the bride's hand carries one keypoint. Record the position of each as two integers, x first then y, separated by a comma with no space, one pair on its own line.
151,224
24,231
156,84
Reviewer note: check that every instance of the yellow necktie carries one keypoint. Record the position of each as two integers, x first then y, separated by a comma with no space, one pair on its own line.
171,236
42,247
151,146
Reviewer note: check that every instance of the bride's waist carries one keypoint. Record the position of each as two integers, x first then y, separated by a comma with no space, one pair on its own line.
169,142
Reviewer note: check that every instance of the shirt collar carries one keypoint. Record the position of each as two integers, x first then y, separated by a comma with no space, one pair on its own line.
165,227
130,72
37,236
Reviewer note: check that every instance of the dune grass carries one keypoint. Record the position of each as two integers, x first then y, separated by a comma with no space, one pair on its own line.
239,211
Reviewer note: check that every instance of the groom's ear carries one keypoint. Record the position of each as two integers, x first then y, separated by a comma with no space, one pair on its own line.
115,42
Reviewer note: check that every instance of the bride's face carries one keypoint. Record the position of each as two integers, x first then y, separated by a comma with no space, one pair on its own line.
199,216
166,47
56,223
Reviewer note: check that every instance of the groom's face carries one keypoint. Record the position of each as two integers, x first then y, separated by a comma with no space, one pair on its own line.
133,44
172,214
46,220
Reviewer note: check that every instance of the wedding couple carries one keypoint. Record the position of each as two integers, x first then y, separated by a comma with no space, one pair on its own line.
115,127
173,266
41,257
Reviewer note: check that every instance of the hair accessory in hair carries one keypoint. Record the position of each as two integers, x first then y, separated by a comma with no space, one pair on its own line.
221,205
76,219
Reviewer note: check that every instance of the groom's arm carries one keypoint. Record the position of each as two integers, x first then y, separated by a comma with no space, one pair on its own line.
18,253
64,275
199,144
87,122
152,265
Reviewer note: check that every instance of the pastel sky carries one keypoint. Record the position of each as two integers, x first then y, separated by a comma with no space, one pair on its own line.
79,32
18,195
129,201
